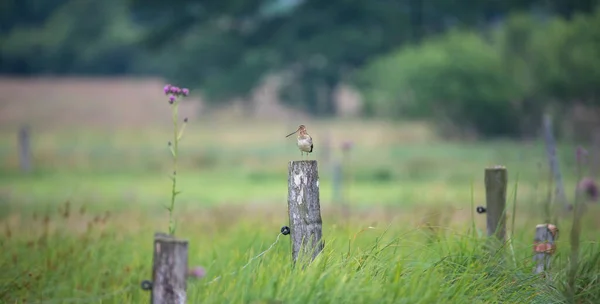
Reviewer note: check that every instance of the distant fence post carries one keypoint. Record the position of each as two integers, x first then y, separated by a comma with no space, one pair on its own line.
337,182
304,209
24,149
495,199
544,246
346,176
553,160
169,272
326,148
595,165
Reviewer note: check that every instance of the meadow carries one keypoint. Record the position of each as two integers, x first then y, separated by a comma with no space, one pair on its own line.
79,227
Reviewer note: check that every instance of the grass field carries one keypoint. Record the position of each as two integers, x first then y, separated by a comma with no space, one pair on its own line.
79,227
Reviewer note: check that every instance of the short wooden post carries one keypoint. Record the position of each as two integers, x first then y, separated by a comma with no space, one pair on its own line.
544,246
304,209
24,149
169,271
495,199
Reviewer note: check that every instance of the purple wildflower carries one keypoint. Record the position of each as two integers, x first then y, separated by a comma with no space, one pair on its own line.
588,186
167,89
175,90
185,92
347,145
197,272
171,99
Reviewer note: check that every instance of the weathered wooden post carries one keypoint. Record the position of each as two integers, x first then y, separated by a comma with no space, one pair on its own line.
544,246
24,149
169,272
495,199
304,210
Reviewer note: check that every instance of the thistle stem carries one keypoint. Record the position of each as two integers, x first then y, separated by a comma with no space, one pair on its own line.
174,179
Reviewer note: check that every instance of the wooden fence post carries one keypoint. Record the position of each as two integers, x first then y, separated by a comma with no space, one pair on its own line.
304,209
553,160
595,155
24,149
544,246
169,272
495,199
325,150
337,182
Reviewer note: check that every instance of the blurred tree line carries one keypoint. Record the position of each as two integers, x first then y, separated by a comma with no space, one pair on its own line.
497,82
490,65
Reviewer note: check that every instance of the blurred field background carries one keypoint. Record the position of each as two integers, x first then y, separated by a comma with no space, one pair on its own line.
427,94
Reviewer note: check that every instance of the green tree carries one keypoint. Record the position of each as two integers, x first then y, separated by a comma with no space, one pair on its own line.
316,44
499,86
225,47
78,37
456,79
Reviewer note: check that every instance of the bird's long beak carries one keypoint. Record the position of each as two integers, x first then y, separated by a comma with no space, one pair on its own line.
292,133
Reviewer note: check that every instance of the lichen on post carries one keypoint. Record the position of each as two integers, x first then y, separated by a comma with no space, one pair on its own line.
304,210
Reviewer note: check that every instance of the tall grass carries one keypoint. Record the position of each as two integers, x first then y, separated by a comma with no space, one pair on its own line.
99,258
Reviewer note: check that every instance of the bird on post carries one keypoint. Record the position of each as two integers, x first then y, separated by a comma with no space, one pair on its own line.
305,143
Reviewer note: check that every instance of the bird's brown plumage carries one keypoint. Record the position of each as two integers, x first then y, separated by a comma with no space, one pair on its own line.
304,142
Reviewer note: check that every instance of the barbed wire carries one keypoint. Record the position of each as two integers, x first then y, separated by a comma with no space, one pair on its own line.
112,294
249,261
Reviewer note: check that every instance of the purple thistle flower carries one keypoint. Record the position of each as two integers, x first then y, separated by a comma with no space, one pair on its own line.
347,145
588,186
167,89
185,91
171,99
197,272
175,90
